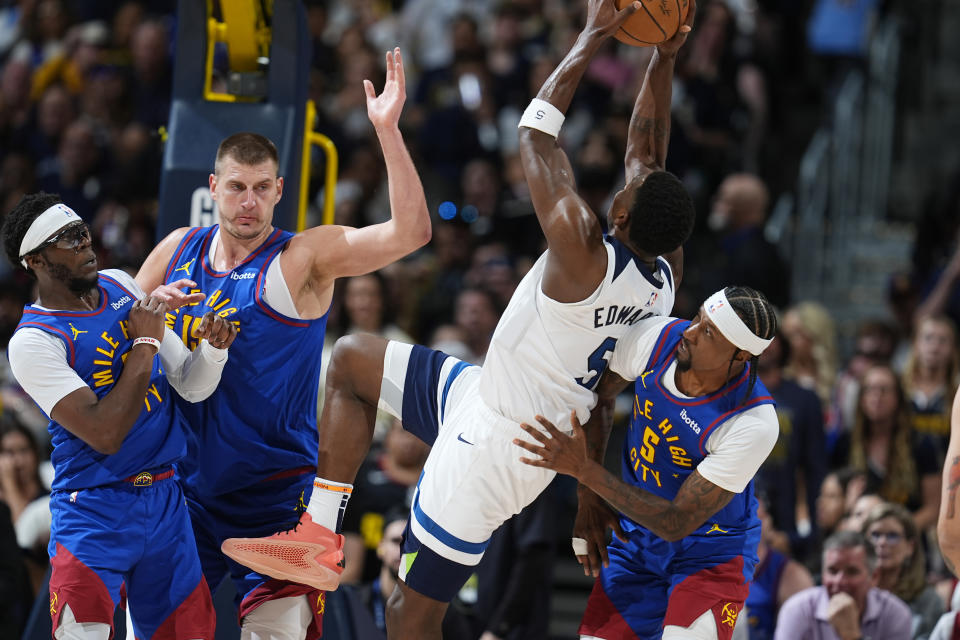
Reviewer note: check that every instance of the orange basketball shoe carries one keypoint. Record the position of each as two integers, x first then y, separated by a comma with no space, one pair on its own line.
308,554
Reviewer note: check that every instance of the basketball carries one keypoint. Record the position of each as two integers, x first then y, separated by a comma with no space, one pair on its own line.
656,21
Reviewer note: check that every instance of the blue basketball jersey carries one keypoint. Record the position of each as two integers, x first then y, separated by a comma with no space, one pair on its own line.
666,441
97,343
262,419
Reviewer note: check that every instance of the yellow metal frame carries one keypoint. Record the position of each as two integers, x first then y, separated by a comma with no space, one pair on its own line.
247,38
310,138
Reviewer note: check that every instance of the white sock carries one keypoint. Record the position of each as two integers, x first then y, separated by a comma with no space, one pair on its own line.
328,502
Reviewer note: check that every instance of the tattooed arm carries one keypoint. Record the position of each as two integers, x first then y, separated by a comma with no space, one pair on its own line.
696,500
948,522
649,132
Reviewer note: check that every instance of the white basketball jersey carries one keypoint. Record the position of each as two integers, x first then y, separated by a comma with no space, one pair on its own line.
546,357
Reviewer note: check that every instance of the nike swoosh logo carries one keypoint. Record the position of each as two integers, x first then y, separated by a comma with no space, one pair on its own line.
460,438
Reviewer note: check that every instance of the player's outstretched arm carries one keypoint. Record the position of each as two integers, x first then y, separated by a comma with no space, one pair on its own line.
330,252
697,499
571,229
948,521
649,134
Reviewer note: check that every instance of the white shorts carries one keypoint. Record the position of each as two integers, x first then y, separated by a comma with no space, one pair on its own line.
473,480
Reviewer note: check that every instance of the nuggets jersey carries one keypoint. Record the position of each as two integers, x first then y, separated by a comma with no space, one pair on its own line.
666,441
546,357
97,343
262,419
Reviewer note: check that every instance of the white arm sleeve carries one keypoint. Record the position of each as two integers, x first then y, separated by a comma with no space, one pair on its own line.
635,346
739,446
194,375
40,364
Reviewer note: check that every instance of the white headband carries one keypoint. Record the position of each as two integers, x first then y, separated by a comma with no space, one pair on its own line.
721,313
47,223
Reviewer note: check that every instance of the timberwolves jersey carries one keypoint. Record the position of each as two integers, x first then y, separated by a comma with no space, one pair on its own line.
97,343
666,441
262,419
546,357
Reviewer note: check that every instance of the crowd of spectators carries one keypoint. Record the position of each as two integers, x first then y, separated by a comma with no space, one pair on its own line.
86,89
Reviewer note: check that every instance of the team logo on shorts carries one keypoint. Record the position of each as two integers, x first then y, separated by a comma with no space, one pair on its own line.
143,479
321,603
728,615
53,604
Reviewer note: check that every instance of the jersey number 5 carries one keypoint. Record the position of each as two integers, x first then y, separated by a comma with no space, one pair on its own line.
597,362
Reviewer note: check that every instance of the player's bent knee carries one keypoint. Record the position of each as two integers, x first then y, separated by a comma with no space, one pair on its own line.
69,629
413,616
353,359
280,619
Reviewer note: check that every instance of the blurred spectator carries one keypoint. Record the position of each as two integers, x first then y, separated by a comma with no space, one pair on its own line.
874,344
792,475
54,113
860,511
901,466
930,379
75,172
812,334
744,255
776,578
16,594
375,592
151,72
477,312
25,494
847,605
723,98
839,492
901,564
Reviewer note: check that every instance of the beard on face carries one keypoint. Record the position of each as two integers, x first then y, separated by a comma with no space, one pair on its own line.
75,284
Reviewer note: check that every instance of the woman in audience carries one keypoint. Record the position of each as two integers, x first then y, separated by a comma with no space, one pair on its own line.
812,334
900,467
901,564
930,378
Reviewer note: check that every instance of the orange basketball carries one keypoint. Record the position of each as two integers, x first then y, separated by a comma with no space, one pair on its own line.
655,22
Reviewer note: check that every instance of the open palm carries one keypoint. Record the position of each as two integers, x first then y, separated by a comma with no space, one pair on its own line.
384,110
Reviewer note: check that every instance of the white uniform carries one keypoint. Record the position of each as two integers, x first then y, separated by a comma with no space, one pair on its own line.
545,358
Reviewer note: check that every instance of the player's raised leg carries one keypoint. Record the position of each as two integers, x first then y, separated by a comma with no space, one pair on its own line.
312,552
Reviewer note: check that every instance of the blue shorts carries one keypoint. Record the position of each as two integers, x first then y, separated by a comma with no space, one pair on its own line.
137,539
273,505
651,583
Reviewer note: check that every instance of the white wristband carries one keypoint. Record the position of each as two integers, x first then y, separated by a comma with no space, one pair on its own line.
542,116
153,342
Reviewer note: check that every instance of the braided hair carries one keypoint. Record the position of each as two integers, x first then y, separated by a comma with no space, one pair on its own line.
18,221
758,314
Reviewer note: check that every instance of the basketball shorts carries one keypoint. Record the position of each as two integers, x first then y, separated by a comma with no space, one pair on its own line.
473,480
134,539
648,586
